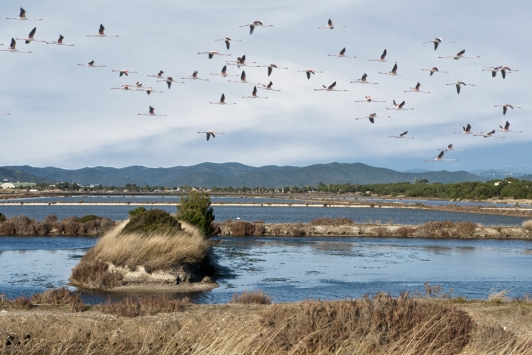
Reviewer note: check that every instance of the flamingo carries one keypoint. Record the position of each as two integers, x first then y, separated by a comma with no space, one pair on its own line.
228,40
151,113
329,25
437,41
416,89
169,80
13,47
59,42
467,130
382,59
124,87
211,133
213,53
101,33
372,117
503,70
439,158
138,87
450,147
30,37
402,135
268,87
369,99
254,95
195,76
224,72
459,85
506,128
270,67
393,72
505,107
488,135
329,88
435,70
341,54
242,79
22,16
255,24
459,55
159,75
399,106
222,101
240,61
123,72
362,80
91,65
148,90
309,71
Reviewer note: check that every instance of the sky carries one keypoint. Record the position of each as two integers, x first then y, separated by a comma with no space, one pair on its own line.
67,116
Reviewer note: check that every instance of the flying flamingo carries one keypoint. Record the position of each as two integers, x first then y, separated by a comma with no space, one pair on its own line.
402,135
169,80
503,70
224,72
329,88
450,147
341,54
270,67
268,87
91,65
393,72
195,76
362,80
369,99
59,42
213,53
505,107
101,33
242,79
240,61
30,37
459,84
399,106
439,158
148,90
159,75
382,59
435,70
459,55
123,71
467,130
437,41
506,128
13,47
329,25
372,117
488,135
228,40
254,95
255,24
211,133
151,113
138,87
309,71
222,101
124,87
22,16
416,89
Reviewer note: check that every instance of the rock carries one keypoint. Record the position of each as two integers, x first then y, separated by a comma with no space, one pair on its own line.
206,280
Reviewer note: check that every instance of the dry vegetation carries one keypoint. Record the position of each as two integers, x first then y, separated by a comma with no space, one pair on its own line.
143,306
251,297
527,225
325,221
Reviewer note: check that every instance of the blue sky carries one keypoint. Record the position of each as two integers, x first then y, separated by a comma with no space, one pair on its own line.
65,115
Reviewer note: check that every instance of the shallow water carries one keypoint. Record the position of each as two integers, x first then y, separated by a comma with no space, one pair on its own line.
291,269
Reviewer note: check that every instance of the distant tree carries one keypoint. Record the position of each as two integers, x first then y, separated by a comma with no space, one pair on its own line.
196,209
136,211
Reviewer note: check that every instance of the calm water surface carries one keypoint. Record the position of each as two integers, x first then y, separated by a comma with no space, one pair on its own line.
293,269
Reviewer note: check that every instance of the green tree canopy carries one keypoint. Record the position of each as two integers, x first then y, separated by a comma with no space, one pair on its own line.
196,209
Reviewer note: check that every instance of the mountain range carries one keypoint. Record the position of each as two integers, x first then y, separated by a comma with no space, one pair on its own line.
231,174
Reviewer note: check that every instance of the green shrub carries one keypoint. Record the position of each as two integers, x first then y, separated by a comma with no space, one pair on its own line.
136,211
2,218
152,221
196,209
89,217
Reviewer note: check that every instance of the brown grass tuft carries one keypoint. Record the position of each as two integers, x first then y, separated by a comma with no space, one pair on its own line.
498,296
21,302
76,304
251,297
325,221
527,225
143,306
405,231
60,295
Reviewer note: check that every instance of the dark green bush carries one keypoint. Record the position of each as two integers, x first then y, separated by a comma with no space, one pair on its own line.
2,218
89,217
152,221
136,211
196,209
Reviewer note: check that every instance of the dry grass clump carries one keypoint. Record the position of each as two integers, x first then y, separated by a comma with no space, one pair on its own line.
527,225
144,306
381,324
405,231
297,230
241,228
21,302
94,274
87,225
498,296
447,229
381,231
60,295
325,221
251,297
465,229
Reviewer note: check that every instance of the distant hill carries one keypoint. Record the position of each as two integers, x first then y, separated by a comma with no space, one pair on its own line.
238,175
16,175
510,171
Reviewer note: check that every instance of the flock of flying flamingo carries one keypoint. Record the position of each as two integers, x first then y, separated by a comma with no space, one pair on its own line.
241,62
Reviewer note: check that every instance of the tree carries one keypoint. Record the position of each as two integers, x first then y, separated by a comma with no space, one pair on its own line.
196,209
